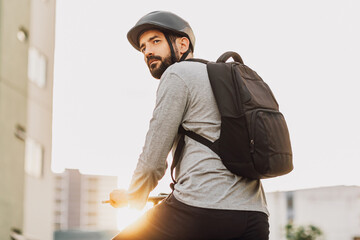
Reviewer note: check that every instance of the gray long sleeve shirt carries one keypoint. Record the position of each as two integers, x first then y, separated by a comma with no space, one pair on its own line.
184,96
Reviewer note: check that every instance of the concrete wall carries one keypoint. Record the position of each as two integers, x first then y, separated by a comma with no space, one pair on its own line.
26,196
278,217
39,189
335,210
14,14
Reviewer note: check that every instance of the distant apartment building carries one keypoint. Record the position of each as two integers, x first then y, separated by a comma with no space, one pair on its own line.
335,210
78,201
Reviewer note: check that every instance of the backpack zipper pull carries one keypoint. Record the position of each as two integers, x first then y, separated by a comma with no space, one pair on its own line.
252,146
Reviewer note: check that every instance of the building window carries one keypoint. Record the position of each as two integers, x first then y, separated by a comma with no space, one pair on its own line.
92,214
290,206
37,67
34,155
57,226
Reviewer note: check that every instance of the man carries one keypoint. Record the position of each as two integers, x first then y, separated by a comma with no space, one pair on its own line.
208,201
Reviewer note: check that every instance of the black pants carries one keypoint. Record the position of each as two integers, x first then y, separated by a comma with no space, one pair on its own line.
173,220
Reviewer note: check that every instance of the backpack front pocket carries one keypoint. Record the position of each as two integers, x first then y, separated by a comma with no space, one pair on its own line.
270,143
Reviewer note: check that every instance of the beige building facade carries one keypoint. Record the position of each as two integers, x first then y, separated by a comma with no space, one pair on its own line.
13,108
27,38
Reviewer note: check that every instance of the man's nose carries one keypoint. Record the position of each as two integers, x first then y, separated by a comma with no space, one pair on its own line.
148,52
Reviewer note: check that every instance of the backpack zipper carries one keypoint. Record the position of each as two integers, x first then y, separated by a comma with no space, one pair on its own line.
237,90
253,127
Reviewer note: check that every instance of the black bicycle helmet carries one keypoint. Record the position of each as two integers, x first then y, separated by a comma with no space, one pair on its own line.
161,20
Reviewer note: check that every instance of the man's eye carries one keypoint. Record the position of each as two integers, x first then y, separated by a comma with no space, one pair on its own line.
156,41
142,50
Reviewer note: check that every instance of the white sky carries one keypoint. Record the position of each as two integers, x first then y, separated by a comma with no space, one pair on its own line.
307,51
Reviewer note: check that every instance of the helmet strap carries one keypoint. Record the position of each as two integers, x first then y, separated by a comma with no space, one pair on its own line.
173,56
185,55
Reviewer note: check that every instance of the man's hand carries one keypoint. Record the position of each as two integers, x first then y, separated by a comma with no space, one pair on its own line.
118,198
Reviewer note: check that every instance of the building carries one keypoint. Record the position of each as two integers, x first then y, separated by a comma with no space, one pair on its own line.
27,184
27,36
78,202
335,210
84,235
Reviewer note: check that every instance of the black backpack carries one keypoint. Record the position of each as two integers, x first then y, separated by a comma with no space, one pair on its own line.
254,139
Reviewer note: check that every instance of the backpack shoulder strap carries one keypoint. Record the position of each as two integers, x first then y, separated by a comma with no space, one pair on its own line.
200,139
223,58
180,146
176,159
197,60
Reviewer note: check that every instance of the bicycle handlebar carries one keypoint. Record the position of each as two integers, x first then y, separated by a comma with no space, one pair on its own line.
153,199
158,198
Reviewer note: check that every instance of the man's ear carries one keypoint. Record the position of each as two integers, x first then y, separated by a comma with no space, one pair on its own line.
183,44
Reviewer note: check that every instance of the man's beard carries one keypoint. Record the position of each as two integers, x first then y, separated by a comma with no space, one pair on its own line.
157,72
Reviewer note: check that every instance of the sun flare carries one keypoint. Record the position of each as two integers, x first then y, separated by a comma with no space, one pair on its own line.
127,216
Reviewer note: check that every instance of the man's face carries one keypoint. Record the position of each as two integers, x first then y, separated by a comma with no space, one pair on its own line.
156,50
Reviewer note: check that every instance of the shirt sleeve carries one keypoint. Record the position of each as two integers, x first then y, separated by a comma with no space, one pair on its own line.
171,104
